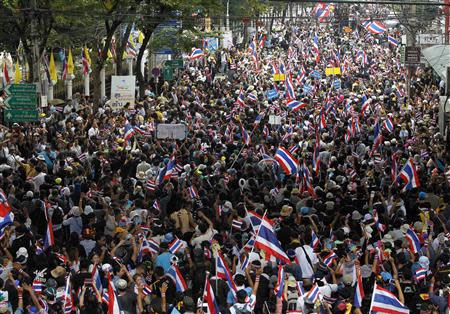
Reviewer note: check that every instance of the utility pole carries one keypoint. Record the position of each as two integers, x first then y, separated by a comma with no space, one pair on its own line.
447,21
35,47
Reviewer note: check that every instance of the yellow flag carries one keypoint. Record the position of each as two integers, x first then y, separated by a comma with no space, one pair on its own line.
52,69
70,66
110,56
141,37
17,74
86,55
124,55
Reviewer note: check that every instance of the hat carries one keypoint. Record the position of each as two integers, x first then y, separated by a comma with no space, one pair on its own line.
422,195
40,157
58,180
58,272
424,262
286,211
76,211
121,284
305,210
404,228
106,267
295,191
347,279
227,206
22,252
388,239
330,195
367,217
386,276
418,226
356,215
140,175
291,282
29,194
88,210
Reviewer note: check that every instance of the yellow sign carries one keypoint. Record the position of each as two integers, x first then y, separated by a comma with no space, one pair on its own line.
333,71
279,77
347,29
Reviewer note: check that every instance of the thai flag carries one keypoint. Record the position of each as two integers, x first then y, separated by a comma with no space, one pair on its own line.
196,53
175,246
193,192
392,41
413,240
6,78
208,297
301,291
128,131
6,217
316,47
287,162
241,99
236,224
376,27
399,92
322,121
316,158
378,224
252,97
258,119
266,240
409,175
282,68
155,205
313,295
144,249
384,301
255,220
170,168
175,274
279,287
245,136
421,273
266,131
365,107
223,272
274,68
64,66
153,246
328,260
61,257
359,293
49,239
261,40
113,304
38,285
147,290
362,56
290,91
85,60
68,302
82,157
150,185
314,240
301,76
252,47
294,148
388,125
96,280
295,105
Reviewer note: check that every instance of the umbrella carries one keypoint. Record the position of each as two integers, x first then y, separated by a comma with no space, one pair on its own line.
56,101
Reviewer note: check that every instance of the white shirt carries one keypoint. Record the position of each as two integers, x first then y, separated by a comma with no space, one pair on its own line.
92,132
307,271
207,236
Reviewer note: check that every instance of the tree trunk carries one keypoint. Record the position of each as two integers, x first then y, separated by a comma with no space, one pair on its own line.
122,44
139,75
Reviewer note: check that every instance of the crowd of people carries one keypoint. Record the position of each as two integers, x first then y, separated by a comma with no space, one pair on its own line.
314,193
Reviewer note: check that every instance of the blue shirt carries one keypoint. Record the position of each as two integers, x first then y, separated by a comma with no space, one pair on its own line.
163,260
231,299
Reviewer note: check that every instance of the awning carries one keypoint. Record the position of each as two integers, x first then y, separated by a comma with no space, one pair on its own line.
439,58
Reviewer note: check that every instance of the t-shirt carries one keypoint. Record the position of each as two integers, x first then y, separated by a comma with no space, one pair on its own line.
307,270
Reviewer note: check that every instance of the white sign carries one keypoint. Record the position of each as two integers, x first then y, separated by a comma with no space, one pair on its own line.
274,120
227,39
172,131
430,39
122,91
44,102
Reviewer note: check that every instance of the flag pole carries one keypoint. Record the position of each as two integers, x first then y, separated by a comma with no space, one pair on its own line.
373,296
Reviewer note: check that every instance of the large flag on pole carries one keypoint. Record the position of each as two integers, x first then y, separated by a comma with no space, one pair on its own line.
17,73
385,302
52,69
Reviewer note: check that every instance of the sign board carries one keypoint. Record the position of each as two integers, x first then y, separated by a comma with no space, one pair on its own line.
44,101
332,71
156,72
272,94
279,77
211,43
227,39
167,74
21,103
337,84
175,64
274,120
402,54
430,39
122,91
412,55
171,131
20,115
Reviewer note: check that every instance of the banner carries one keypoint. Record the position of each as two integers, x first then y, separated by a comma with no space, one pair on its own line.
332,71
123,90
